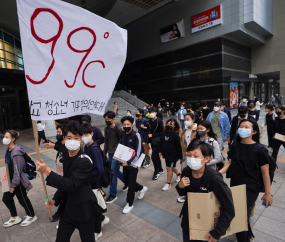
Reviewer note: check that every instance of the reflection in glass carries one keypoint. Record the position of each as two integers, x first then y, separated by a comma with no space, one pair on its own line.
2,64
10,66
9,48
10,56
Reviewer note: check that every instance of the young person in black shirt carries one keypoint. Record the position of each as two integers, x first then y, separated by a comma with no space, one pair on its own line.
197,177
242,169
252,111
170,148
205,110
97,134
280,129
156,129
269,121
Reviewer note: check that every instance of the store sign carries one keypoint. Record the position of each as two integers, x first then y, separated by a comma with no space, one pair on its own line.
206,19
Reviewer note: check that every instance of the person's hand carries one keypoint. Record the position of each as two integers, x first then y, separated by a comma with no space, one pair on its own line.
150,135
49,145
49,203
142,126
12,190
211,239
143,143
160,154
268,199
225,140
43,142
42,167
261,127
194,128
184,182
125,164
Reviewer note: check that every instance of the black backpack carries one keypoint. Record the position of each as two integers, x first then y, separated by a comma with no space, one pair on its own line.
107,175
30,167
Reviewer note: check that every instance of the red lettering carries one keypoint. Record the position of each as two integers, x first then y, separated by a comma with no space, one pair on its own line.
106,35
83,78
53,39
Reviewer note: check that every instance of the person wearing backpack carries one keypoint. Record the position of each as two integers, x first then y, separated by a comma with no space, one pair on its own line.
200,178
20,184
133,140
93,150
249,164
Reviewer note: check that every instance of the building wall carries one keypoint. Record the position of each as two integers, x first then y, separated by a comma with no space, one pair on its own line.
271,57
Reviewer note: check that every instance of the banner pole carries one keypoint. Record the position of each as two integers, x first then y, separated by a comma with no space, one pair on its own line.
39,157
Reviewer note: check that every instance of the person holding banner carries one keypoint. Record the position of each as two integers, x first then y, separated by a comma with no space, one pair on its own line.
20,184
77,202
132,140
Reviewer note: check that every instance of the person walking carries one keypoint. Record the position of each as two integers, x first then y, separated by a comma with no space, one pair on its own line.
170,149
190,110
112,134
269,121
156,129
132,140
41,132
97,133
205,110
227,111
220,124
244,101
19,182
173,109
180,114
167,107
258,105
272,100
252,111
242,169
115,109
280,129
279,99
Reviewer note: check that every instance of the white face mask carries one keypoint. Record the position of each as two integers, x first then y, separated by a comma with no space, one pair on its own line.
6,141
128,114
216,109
152,115
72,144
86,140
188,123
244,100
204,107
194,163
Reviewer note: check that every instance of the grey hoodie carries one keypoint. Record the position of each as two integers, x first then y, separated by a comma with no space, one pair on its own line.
19,168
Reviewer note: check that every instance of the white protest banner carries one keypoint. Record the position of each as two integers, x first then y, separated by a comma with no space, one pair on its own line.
72,58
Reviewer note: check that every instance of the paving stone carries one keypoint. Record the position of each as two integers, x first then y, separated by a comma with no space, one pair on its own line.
163,236
107,231
275,213
35,237
174,228
262,237
280,192
141,208
172,206
121,220
118,237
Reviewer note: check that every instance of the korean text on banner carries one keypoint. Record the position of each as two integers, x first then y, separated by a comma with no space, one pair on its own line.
204,211
72,58
5,179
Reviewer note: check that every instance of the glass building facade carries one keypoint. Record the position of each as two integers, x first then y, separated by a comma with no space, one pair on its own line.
10,52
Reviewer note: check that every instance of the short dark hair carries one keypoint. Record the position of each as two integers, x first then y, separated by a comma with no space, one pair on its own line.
207,124
129,111
204,104
242,110
206,149
87,128
198,105
223,103
249,102
129,118
269,106
152,109
86,118
176,124
189,106
255,127
192,116
280,107
245,97
109,114
140,111
39,122
60,126
62,121
73,127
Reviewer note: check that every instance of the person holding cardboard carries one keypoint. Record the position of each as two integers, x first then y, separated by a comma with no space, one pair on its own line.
245,155
197,177
280,129
20,184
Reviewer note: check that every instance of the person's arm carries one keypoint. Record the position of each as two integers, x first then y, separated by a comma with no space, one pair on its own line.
105,142
257,115
98,167
138,150
267,186
226,167
99,136
264,122
230,116
178,146
217,154
181,187
232,130
227,127
209,117
18,164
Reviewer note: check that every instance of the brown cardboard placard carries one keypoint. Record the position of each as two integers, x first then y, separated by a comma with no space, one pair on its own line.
5,179
204,211
279,137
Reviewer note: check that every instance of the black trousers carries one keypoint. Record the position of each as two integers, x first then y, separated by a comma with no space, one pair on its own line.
156,159
130,178
186,237
41,135
67,226
245,236
21,194
270,135
276,145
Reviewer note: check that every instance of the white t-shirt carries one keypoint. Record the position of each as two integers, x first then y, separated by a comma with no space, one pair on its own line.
40,126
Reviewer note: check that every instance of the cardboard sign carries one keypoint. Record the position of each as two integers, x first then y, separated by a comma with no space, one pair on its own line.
279,137
204,211
59,168
5,178
123,153
72,57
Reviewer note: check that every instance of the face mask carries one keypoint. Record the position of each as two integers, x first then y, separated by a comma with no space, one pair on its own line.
182,108
188,123
137,115
244,133
59,137
127,129
144,107
152,115
244,100
278,113
194,163
169,127
251,106
216,109
204,107
202,133
128,114
242,115
6,141
86,140
72,144
108,123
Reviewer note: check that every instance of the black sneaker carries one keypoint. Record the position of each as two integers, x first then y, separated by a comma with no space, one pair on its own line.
125,188
155,176
55,217
111,199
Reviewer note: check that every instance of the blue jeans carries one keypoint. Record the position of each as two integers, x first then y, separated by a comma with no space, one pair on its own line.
182,123
115,166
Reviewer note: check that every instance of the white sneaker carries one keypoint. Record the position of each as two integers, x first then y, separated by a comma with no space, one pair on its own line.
127,208
178,178
166,187
97,236
105,221
146,166
142,192
56,226
12,221
28,220
181,199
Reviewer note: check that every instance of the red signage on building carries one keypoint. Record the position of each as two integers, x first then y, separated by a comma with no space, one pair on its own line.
206,19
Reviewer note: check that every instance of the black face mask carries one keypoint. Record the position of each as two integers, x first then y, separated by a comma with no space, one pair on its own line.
202,133
242,115
108,123
169,127
278,113
127,129
59,137
251,106
137,115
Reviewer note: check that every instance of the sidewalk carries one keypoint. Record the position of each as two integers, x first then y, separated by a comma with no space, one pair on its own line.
153,219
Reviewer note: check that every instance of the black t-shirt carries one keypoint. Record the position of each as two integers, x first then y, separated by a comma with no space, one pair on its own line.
62,151
270,122
195,183
125,141
9,162
248,159
69,160
280,125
